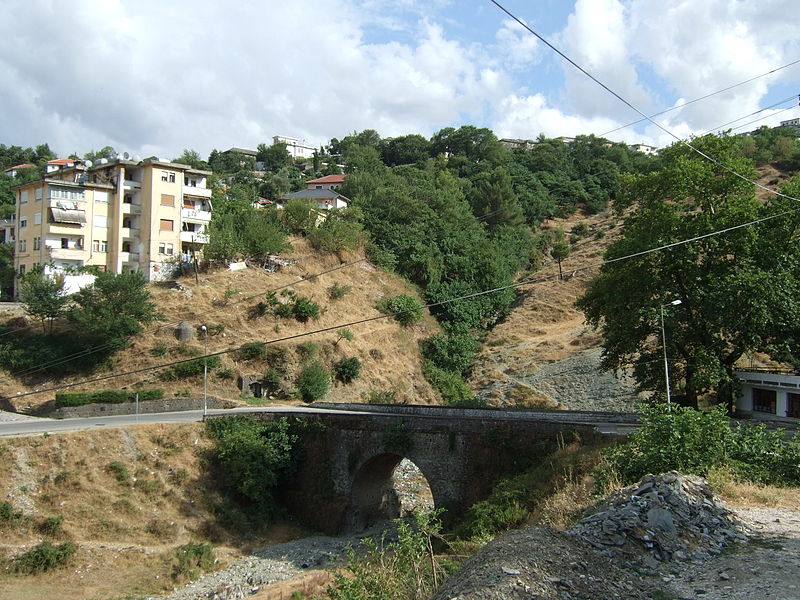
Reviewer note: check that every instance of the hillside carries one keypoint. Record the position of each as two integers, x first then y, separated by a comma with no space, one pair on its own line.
222,299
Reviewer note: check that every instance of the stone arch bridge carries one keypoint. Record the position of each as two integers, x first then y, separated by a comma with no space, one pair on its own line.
344,480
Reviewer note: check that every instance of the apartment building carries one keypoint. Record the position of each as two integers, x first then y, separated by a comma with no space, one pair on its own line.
117,214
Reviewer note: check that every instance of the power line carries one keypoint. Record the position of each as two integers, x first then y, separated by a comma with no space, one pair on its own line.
760,110
682,104
634,108
429,305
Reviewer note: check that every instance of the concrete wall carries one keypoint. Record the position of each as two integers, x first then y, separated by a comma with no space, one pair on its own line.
129,408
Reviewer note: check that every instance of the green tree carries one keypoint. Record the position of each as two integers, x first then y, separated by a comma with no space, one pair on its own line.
104,152
43,297
193,159
494,200
313,382
739,290
6,270
112,309
274,157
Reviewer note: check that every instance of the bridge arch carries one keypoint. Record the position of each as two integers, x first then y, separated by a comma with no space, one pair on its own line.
373,497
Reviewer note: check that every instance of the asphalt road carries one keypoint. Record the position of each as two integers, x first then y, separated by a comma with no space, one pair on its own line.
31,426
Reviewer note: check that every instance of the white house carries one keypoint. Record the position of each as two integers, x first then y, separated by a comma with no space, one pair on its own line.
325,199
767,394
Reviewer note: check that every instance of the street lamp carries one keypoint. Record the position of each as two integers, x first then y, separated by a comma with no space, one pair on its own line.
664,345
204,331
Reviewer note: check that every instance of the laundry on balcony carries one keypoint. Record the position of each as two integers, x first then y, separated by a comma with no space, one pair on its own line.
60,215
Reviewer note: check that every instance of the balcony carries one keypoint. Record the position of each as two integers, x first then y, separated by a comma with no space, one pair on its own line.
130,184
67,204
129,232
129,257
193,214
66,253
131,209
194,236
199,192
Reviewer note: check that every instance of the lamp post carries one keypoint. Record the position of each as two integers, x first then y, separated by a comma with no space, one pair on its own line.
664,346
204,331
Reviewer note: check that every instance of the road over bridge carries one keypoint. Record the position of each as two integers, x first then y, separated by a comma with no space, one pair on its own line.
344,482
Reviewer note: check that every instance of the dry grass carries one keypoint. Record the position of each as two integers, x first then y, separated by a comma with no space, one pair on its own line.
743,494
125,526
389,354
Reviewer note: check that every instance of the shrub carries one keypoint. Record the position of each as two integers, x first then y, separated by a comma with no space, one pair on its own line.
190,368
680,438
307,350
252,351
453,352
304,309
225,374
64,399
313,382
382,397
193,559
120,472
44,557
51,525
337,292
8,515
347,369
405,309
159,349
450,385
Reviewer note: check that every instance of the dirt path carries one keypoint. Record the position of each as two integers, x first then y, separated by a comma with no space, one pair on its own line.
764,567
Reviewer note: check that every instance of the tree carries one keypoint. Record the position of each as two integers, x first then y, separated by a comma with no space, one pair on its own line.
6,269
104,152
112,309
191,158
740,291
560,250
494,200
43,297
274,157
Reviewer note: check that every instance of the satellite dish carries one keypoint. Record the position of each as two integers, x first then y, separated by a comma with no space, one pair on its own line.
137,158
103,161
126,156
88,163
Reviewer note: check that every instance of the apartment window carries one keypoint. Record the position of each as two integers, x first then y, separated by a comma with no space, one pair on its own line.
164,248
37,218
167,200
37,243
318,187
191,182
168,176
101,197
126,246
166,225
764,400
188,202
65,242
127,222
23,196
95,245
34,266
171,177
103,246
23,222
38,194
793,405
23,245
22,269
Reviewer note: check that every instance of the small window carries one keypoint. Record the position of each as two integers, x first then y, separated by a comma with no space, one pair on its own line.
170,250
318,187
65,242
37,218
95,245
171,177
37,243
22,269
167,200
764,400
23,196
164,176
162,248
23,246
104,246
126,246
166,225
38,194
23,222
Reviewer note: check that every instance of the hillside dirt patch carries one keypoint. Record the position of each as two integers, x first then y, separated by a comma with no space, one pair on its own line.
223,301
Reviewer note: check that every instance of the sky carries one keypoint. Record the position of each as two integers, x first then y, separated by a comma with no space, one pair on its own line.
154,77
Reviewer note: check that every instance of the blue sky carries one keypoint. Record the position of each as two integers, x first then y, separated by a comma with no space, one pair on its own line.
150,77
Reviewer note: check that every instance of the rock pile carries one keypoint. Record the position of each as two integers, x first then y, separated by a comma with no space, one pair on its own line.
662,518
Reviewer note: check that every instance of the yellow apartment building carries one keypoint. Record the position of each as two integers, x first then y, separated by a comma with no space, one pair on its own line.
116,214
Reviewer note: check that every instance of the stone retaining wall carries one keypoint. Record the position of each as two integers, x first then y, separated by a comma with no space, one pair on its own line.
129,408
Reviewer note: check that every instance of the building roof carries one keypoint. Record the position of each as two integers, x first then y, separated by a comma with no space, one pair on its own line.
61,161
22,166
244,151
328,179
315,195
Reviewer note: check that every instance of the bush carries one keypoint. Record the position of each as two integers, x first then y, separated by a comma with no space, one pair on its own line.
51,525
252,351
44,557
405,309
453,352
450,385
337,292
307,350
190,368
120,472
253,458
9,516
64,399
313,382
683,439
159,349
193,559
381,397
347,369
304,309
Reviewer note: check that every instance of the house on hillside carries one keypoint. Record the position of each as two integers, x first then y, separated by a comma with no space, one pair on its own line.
645,148
7,230
329,182
517,143
769,394
59,163
325,199
12,171
294,146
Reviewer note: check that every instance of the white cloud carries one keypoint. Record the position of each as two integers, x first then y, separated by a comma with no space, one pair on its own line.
517,46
